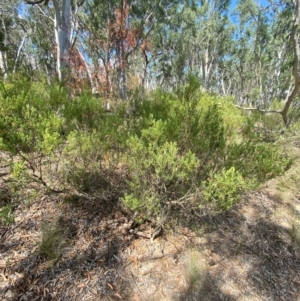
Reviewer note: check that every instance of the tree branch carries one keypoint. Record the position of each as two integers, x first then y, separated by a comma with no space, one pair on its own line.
43,13
296,49
294,38
19,51
35,2
259,110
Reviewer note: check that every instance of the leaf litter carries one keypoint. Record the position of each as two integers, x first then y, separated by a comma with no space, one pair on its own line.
248,253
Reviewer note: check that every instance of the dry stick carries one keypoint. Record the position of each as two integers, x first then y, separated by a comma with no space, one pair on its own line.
39,179
132,279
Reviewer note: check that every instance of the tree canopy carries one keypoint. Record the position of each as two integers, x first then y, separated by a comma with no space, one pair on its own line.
244,49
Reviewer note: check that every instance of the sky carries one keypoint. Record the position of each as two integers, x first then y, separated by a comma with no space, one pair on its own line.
233,4
261,2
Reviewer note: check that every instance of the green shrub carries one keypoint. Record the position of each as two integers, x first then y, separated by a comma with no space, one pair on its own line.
257,160
214,131
170,144
83,162
191,120
224,188
158,174
30,130
26,123
90,157
84,112
50,136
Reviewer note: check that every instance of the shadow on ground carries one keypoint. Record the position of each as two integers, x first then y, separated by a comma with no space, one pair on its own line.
91,263
246,255
250,256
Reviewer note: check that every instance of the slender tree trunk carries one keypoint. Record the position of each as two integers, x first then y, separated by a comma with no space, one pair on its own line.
3,63
19,53
63,30
3,55
295,39
121,72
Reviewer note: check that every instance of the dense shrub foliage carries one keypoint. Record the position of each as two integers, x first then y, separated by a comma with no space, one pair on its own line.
164,147
224,188
159,174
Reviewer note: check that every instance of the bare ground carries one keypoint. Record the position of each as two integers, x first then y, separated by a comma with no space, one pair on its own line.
249,253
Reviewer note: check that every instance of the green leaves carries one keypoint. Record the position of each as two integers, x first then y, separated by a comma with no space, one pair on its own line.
157,172
224,188
257,160
169,146
26,125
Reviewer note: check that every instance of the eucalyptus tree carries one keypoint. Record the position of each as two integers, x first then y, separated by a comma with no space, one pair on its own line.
213,40
294,37
118,38
266,58
195,40
41,48
252,56
14,33
65,27
106,28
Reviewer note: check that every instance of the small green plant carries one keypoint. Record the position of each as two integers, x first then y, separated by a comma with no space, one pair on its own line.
224,188
7,214
194,270
53,241
6,206
30,197
295,234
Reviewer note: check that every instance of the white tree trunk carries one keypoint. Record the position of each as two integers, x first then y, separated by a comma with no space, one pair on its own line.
3,63
63,33
3,55
19,53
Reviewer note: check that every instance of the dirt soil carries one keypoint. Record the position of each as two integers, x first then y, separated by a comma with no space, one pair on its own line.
249,253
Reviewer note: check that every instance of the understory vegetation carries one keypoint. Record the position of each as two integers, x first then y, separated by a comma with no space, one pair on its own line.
160,152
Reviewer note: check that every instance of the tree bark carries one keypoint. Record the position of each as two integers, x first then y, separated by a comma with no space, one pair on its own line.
295,39
3,55
62,28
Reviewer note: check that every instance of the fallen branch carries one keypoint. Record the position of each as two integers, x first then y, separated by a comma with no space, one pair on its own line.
294,38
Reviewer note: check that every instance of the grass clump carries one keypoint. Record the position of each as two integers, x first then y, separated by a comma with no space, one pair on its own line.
7,214
194,269
53,241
